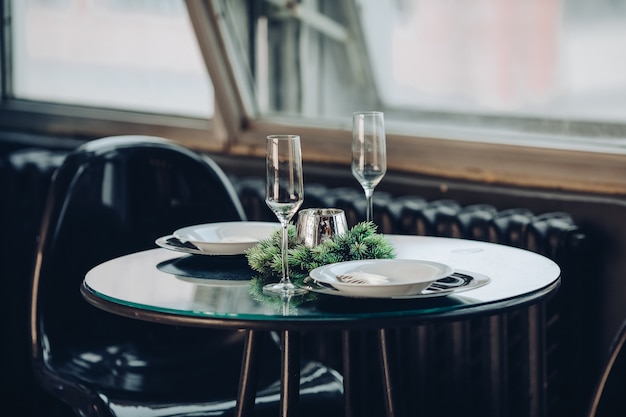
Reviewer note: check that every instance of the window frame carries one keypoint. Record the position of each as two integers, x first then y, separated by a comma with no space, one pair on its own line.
85,123
521,158
491,156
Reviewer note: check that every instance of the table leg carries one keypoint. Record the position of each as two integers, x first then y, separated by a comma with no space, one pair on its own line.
290,375
348,369
385,368
248,377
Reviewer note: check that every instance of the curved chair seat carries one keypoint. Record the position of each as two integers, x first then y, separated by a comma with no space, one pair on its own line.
318,396
161,370
112,197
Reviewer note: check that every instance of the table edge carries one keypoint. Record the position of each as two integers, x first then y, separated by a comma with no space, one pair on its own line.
302,323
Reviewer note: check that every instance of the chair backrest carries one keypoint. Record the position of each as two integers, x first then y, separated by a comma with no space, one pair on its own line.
608,397
111,197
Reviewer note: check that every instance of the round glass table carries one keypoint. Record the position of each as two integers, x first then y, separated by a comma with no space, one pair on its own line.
196,290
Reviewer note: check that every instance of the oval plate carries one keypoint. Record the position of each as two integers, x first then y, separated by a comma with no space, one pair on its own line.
457,282
172,243
226,238
382,278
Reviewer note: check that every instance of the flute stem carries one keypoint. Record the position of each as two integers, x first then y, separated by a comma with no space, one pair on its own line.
283,253
369,214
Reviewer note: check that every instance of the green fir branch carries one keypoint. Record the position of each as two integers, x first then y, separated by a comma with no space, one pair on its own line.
360,242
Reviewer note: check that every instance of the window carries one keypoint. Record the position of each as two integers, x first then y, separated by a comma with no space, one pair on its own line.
508,92
500,91
549,58
121,54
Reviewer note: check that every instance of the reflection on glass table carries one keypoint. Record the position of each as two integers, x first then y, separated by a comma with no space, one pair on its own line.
137,286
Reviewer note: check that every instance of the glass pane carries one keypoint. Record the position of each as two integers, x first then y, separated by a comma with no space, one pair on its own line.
555,58
424,59
122,54
304,58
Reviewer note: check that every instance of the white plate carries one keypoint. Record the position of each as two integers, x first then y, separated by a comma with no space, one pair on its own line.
459,281
383,278
226,238
172,243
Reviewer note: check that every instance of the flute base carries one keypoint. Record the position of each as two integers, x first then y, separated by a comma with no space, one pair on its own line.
283,289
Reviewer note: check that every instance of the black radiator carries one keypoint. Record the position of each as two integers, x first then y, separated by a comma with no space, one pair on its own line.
526,362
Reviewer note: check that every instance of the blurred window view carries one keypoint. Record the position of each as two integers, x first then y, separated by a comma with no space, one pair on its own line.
555,58
421,59
122,54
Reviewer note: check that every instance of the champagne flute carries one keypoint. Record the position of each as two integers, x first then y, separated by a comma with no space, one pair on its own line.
369,153
284,194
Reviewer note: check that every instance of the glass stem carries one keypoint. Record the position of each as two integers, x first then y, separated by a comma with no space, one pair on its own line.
283,251
286,299
369,192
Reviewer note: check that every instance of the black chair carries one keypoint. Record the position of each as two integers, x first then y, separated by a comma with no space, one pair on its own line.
111,197
608,398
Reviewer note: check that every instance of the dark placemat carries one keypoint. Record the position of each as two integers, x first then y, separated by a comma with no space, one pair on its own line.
222,268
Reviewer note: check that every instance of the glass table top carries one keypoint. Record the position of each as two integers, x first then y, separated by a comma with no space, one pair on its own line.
168,286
